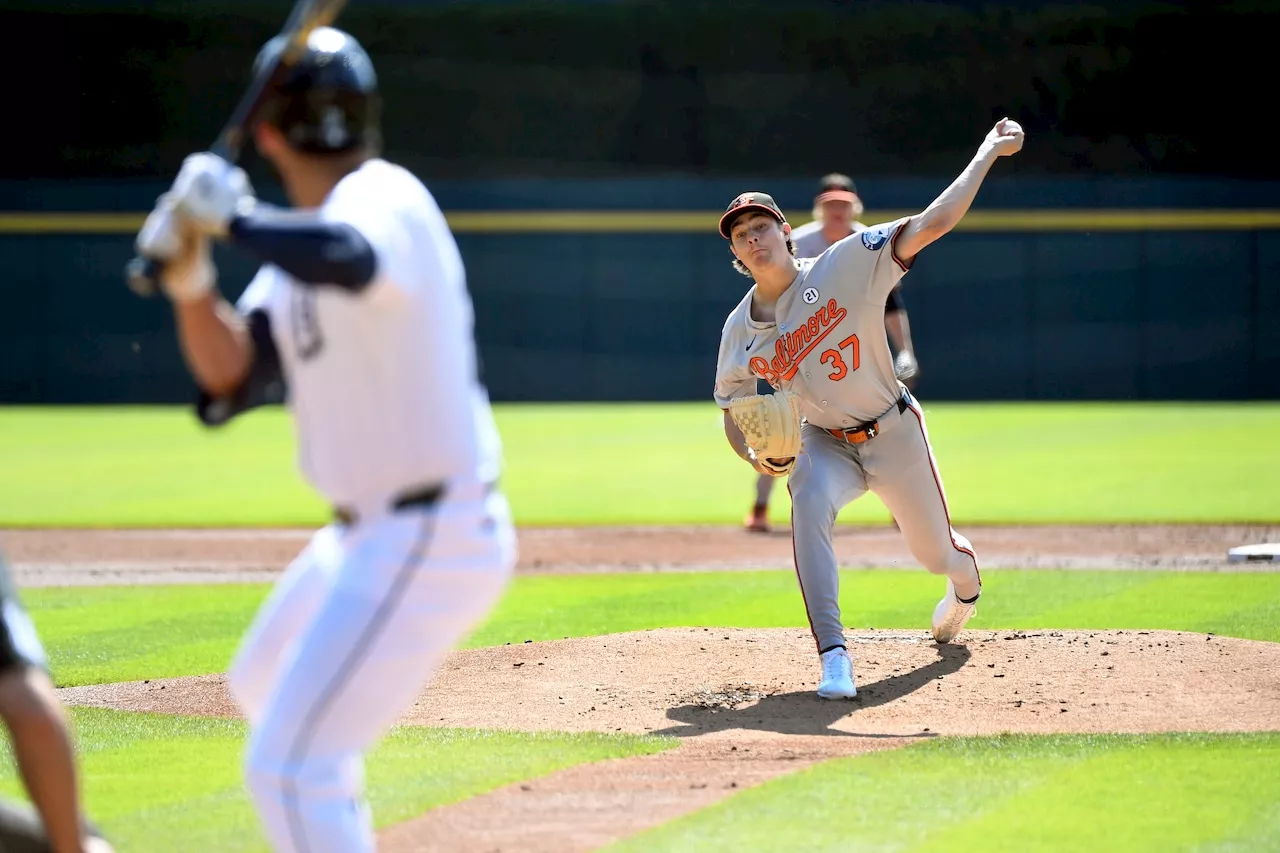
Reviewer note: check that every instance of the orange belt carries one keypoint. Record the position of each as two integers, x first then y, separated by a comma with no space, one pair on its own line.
859,434
867,431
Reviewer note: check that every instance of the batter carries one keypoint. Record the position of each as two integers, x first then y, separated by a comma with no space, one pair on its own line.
815,327
361,311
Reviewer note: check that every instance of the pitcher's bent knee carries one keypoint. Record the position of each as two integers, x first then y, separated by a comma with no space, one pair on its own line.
944,558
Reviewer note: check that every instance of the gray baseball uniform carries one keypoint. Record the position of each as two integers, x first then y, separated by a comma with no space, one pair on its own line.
863,430
809,241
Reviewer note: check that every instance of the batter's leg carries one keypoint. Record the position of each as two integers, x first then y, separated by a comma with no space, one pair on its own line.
289,608
902,471
826,478
409,588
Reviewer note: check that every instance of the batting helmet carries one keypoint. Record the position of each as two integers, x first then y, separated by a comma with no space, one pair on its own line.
328,101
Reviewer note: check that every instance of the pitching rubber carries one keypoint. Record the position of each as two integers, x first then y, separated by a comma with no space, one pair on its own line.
1268,552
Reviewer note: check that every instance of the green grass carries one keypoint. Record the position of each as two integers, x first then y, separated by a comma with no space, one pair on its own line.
100,634
657,463
158,783
1012,794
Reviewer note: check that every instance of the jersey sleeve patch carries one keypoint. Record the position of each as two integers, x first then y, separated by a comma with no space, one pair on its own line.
875,238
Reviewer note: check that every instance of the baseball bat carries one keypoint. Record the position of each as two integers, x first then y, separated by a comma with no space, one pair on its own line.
143,274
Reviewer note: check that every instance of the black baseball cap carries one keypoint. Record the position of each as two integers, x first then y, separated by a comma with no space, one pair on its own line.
836,187
746,203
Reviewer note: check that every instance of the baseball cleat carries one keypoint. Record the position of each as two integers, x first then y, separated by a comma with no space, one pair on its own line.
951,614
757,521
837,676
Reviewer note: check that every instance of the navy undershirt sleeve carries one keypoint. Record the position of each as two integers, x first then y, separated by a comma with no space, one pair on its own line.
264,383
313,251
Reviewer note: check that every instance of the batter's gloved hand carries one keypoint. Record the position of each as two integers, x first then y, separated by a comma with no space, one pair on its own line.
905,368
187,270
770,424
209,192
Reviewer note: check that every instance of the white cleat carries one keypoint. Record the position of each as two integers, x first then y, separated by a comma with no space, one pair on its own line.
837,676
950,615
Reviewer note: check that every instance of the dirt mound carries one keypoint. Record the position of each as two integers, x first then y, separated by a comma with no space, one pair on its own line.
721,682
743,702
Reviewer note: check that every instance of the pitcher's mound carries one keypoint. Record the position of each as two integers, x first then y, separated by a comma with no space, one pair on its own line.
730,682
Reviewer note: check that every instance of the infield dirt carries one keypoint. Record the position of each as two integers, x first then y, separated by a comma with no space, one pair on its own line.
740,701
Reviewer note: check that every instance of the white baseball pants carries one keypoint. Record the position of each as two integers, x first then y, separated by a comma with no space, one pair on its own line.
343,645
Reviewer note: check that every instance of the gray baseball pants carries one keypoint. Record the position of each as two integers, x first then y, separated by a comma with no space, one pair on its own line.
898,465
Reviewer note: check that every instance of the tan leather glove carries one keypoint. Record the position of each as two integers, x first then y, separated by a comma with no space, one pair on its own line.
770,423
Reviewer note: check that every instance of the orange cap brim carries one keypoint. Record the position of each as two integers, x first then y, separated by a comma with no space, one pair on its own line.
837,195
730,215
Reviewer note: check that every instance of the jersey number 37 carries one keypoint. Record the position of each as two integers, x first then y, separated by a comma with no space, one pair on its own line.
839,368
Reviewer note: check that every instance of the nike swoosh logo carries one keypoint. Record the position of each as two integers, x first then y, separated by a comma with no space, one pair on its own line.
750,345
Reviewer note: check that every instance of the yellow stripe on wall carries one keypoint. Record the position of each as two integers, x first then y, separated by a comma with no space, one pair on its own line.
694,222
70,223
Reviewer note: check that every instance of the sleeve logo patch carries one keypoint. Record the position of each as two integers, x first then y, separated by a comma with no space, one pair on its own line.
874,238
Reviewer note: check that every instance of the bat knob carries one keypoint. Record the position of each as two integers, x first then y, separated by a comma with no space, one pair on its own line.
143,276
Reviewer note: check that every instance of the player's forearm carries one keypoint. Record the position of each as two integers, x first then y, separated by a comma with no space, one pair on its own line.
214,343
738,441
946,211
895,323
45,756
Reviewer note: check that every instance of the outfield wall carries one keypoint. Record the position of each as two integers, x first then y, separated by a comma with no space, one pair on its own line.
617,289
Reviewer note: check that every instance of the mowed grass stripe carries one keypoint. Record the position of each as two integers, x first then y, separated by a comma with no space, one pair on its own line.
656,463
157,783
1009,794
101,634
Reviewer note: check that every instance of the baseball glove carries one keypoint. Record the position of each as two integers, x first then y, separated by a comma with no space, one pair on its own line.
770,423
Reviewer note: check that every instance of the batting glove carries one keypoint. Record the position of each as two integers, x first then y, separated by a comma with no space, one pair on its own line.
209,192
187,270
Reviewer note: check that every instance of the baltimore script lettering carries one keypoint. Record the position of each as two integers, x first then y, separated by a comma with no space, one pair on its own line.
792,347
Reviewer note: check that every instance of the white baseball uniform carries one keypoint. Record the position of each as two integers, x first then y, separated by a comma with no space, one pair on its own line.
394,428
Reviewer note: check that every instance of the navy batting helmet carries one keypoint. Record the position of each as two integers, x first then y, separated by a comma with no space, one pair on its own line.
328,102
